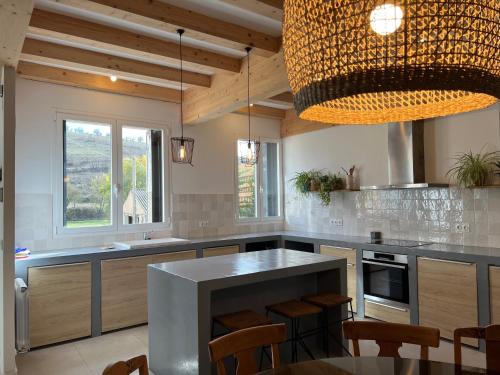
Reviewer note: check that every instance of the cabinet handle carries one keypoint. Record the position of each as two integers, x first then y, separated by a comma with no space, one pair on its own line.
388,306
448,261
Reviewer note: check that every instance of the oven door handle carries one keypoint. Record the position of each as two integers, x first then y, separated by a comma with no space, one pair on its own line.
385,264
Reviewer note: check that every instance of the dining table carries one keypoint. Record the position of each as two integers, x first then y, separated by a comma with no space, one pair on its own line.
373,366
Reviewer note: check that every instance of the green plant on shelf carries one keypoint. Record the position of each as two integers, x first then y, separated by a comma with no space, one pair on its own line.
306,182
474,169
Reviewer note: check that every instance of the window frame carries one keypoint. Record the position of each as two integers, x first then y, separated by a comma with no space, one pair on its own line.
117,226
260,218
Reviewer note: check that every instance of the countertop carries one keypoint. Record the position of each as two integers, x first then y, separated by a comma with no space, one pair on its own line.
242,264
441,250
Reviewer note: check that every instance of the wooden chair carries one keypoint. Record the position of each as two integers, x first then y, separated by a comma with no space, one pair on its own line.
127,367
243,344
490,334
391,336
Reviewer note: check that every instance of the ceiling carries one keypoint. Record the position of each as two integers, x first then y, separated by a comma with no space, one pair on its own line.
82,43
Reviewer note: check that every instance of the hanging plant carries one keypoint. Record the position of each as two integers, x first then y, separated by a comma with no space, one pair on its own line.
472,169
328,183
306,182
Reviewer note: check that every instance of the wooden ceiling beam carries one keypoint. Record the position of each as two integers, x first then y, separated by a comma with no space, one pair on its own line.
293,125
105,37
263,111
14,20
284,97
45,52
228,93
169,18
258,7
95,82
274,3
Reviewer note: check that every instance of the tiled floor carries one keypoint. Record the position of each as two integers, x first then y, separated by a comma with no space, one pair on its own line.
90,356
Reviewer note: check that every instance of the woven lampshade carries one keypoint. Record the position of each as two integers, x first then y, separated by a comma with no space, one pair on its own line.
182,150
422,59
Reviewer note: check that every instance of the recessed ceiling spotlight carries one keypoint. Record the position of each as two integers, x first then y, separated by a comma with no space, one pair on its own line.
113,78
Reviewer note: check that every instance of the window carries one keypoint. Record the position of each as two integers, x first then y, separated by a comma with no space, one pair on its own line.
259,186
113,175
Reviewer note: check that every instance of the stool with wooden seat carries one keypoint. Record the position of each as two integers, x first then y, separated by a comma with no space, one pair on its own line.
294,310
328,301
241,320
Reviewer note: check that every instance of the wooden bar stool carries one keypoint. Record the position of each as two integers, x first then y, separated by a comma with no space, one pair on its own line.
328,301
241,320
294,310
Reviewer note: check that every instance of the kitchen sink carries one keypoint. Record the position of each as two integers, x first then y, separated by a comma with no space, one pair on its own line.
141,244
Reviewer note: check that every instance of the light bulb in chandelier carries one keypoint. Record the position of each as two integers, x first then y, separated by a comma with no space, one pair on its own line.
385,19
250,152
182,152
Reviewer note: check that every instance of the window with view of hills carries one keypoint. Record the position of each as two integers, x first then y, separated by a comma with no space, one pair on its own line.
258,186
113,175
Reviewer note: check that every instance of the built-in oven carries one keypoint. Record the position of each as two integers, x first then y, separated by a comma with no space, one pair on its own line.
385,278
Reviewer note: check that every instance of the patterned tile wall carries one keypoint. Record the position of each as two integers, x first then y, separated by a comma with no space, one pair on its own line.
417,214
218,210
34,227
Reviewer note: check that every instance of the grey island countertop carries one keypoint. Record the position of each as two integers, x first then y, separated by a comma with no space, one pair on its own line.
184,296
244,264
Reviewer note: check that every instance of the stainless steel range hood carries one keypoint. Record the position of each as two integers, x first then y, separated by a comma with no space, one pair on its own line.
406,157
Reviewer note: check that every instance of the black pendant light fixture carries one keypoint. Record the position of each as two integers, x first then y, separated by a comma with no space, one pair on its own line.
182,147
249,156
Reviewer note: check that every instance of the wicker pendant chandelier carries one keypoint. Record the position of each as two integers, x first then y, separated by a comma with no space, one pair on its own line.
250,155
182,147
371,62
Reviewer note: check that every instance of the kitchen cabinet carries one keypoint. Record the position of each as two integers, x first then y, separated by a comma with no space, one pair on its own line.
447,296
224,250
124,288
494,294
350,255
59,303
387,313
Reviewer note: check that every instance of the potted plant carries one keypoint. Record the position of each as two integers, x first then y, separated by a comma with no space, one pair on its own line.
315,180
302,182
328,183
471,170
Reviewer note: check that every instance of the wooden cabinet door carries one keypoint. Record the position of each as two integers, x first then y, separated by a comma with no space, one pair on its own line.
387,313
59,303
124,289
124,292
495,295
447,296
172,257
350,254
224,250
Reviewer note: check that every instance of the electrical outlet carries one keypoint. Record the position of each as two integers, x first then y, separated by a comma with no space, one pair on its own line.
459,228
466,227
203,223
337,222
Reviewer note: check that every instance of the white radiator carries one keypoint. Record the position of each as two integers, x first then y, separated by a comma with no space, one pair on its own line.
22,316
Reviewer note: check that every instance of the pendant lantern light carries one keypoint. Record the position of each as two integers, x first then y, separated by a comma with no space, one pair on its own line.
250,155
372,61
182,147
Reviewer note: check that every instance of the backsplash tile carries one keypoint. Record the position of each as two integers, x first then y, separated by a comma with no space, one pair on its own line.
34,222
418,214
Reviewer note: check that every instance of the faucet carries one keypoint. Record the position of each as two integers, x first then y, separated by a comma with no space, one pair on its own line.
147,235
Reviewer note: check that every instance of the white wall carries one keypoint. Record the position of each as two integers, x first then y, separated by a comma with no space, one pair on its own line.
215,153
37,103
366,146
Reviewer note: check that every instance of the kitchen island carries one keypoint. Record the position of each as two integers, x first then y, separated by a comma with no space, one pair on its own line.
183,296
